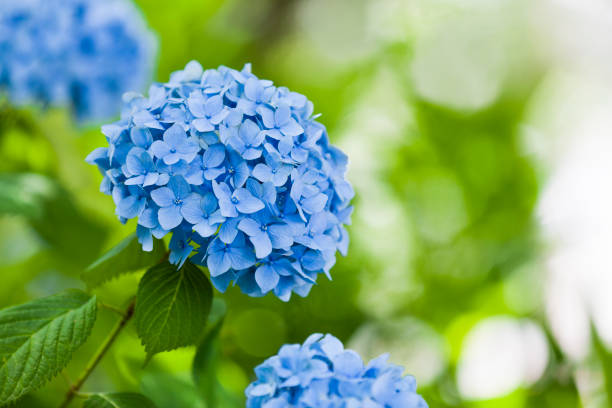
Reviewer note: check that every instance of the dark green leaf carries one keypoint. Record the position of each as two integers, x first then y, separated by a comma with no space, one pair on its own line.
123,258
172,307
118,400
37,339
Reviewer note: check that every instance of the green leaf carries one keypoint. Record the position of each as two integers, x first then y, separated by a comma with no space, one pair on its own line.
204,368
53,213
605,358
172,307
118,400
123,258
37,340
25,194
171,390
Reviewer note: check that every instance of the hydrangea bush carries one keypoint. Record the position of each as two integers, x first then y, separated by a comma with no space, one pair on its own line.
321,374
238,170
79,53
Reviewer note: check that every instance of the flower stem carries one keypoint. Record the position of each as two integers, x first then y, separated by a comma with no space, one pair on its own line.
74,389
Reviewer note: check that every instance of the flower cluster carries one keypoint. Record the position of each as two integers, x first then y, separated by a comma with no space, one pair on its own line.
322,374
241,173
79,53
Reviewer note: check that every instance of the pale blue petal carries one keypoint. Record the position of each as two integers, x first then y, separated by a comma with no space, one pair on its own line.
169,217
247,203
266,278
241,257
262,244
262,172
229,230
163,196
160,149
218,263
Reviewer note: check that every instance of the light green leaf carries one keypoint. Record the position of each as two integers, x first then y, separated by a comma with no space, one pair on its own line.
118,400
52,212
123,258
172,307
25,194
37,340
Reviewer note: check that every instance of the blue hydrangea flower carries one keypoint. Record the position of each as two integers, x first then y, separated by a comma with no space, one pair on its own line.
79,53
321,374
238,170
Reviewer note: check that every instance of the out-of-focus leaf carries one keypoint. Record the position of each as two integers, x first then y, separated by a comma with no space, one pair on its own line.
37,340
118,400
52,212
172,307
25,194
605,359
170,391
125,257
205,365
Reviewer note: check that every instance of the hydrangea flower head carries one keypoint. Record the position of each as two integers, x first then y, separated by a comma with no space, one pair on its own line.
239,171
321,374
79,53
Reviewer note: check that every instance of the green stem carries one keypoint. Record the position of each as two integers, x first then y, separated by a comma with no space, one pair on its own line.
74,389
111,308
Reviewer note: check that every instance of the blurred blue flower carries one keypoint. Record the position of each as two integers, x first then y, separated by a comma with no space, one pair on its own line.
79,53
322,374
238,170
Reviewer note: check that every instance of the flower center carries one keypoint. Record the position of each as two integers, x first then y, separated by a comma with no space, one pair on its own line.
173,150
264,227
234,200
178,201
231,170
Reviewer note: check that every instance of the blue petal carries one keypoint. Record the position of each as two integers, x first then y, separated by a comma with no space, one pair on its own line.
163,196
262,172
241,257
247,203
214,155
175,135
141,137
262,244
229,230
169,217
249,226
266,278
180,187
218,263
160,149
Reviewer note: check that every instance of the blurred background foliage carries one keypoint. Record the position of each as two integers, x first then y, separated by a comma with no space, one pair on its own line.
444,108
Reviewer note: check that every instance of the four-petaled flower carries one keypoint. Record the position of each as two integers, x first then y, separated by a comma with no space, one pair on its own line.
171,200
279,123
204,215
142,169
266,233
221,256
240,200
248,140
176,145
